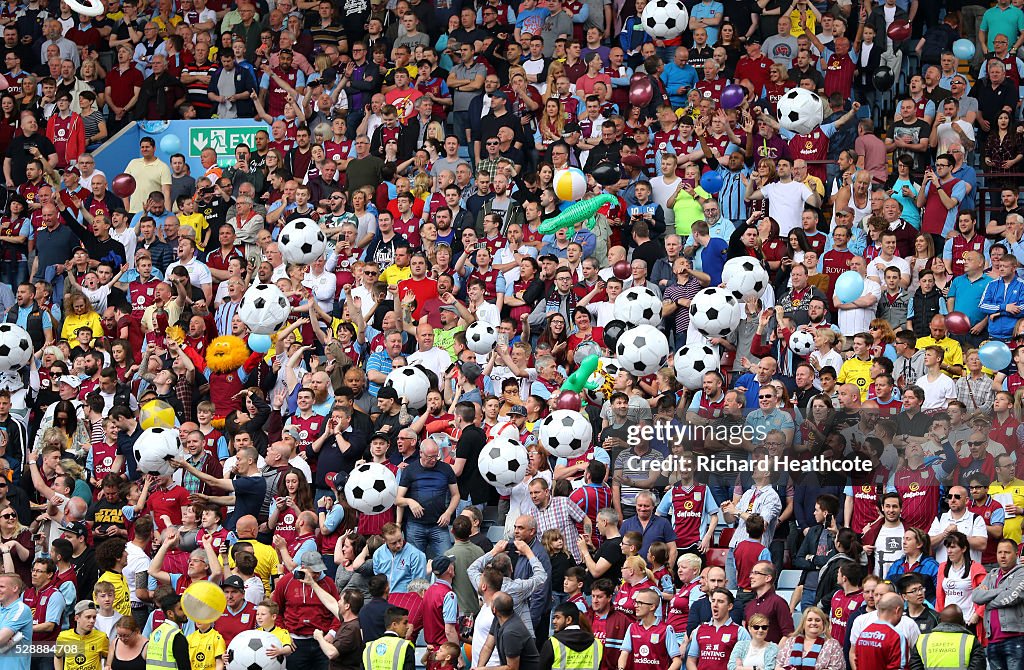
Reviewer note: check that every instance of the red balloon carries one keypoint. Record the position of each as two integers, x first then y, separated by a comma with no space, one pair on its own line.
123,185
641,92
569,400
621,270
899,30
958,323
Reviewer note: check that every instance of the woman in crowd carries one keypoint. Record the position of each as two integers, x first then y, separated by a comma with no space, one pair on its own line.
810,645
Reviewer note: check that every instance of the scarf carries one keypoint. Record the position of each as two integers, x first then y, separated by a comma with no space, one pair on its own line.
797,658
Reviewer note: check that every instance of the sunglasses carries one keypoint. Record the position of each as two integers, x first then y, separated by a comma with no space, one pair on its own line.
8,516
768,396
758,627
954,496
973,443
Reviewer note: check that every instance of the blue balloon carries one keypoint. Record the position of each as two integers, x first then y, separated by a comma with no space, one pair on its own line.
260,343
849,286
963,49
711,182
170,144
995,355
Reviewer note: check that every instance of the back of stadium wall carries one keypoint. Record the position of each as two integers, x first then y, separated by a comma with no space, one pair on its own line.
186,137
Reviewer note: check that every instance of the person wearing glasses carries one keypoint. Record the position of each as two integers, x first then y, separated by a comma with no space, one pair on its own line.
959,519
757,653
940,199
650,641
912,588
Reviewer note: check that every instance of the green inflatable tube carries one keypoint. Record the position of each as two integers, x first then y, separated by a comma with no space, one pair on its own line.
584,210
577,381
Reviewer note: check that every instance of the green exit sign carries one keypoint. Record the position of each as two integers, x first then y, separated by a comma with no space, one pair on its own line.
222,140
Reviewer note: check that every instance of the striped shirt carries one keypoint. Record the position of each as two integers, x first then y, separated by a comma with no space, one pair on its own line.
562,514
224,316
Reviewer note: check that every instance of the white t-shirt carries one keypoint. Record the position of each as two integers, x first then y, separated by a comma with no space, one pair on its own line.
888,548
970,524
853,321
938,393
876,269
957,589
434,359
661,191
198,274
906,627
603,311
786,203
138,562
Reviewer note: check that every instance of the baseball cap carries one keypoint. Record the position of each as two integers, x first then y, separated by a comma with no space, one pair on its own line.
380,435
336,479
73,170
75,528
439,565
754,40
70,380
633,161
500,94
291,431
85,606
312,560
517,409
447,308
470,370
234,582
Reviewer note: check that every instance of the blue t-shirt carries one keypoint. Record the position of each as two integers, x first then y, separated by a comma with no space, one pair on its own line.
429,487
249,495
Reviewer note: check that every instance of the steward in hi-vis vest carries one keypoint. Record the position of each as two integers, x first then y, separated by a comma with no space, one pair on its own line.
391,651
571,647
950,645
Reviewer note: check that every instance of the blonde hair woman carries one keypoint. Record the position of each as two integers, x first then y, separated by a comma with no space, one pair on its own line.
757,653
810,645
636,577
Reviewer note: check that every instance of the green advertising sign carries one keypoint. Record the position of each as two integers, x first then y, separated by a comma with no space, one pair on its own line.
223,140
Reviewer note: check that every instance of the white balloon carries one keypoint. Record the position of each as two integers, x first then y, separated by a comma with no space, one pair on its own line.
301,241
692,362
154,448
15,347
746,276
801,111
642,350
371,488
715,312
264,309
565,433
503,462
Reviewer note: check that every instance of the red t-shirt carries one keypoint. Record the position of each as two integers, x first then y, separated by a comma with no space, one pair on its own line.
167,503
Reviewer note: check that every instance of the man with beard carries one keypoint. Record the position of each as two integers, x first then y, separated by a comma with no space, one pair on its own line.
168,641
501,204
386,242
798,299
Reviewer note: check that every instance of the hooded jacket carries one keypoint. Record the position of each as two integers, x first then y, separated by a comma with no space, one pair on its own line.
1006,597
572,637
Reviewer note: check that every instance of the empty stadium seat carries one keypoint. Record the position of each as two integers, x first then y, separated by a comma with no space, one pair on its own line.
788,580
716,557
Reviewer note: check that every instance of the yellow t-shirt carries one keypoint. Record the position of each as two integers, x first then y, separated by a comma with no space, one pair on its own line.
856,371
198,223
122,603
281,634
954,353
394,274
72,322
82,652
266,562
205,648
1012,525
796,30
